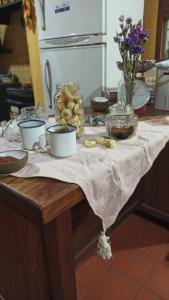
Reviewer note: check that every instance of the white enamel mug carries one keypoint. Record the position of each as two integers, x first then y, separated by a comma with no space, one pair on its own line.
61,139
30,131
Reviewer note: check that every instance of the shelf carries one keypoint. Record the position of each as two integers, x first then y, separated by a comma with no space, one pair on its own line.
4,50
6,9
11,6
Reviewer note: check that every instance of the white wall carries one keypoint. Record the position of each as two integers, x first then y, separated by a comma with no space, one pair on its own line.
116,8
166,53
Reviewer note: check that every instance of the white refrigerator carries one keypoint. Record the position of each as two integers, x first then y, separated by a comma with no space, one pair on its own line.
76,44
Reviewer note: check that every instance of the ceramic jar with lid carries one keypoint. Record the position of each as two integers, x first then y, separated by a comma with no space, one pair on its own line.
68,106
99,103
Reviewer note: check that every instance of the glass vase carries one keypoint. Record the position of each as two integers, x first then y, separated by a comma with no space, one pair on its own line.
129,85
68,106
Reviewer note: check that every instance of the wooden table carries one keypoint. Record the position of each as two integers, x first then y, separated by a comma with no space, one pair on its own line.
44,227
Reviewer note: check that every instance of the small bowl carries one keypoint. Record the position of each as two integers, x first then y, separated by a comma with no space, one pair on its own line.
15,165
99,103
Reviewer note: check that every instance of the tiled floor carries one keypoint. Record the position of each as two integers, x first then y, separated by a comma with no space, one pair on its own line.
139,269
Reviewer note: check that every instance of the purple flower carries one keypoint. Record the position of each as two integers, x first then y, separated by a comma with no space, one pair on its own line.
137,49
144,35
136,40
139,36
128,41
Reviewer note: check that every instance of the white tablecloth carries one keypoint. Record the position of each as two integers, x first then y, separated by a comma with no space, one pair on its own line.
108,177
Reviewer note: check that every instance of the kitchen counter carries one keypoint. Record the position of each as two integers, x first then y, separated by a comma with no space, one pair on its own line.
42,222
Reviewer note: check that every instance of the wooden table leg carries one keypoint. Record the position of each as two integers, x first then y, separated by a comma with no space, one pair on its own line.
60,261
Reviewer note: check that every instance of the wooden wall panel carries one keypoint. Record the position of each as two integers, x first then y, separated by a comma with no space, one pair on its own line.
150,23
34,57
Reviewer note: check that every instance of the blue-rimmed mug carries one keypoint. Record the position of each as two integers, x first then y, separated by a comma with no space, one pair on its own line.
61,140
31,131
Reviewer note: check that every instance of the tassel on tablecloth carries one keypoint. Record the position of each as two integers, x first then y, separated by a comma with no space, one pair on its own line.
103,246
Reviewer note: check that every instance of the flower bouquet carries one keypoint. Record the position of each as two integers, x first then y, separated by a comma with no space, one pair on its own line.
122,122
130,40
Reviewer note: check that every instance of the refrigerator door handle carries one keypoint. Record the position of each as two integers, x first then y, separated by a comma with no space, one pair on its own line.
48,80
42,7
69,41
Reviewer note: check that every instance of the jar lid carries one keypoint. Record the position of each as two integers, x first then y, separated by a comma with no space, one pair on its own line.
121,109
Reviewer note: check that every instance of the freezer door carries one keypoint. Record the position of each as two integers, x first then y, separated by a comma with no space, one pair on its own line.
85,65
58,18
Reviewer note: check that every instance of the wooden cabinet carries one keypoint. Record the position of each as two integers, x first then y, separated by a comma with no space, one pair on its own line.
6,7
45,226
155,187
